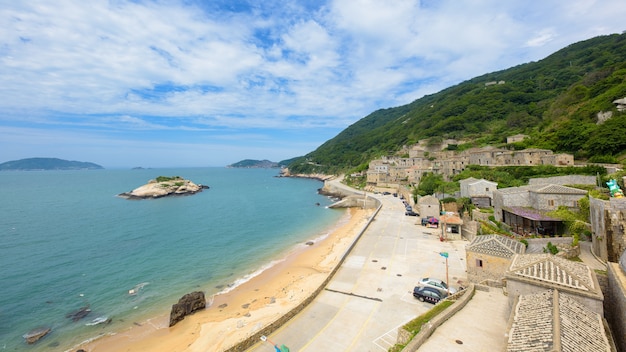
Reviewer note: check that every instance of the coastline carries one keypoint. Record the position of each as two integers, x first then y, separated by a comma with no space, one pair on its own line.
232,316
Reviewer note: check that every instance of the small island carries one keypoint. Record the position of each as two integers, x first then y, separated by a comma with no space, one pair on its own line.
164,186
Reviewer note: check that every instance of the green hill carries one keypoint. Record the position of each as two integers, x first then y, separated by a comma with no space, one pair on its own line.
555,101
47,164
249,163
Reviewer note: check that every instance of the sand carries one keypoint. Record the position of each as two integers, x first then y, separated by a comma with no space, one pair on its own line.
233,316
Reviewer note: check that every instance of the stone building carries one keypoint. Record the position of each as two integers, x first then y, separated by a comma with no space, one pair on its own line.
516,138
451,226
608,221
552,320
524,208
480,191
615,303
489,256
429,206
531,273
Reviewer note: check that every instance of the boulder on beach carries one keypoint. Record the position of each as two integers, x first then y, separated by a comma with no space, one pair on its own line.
188,304
164,186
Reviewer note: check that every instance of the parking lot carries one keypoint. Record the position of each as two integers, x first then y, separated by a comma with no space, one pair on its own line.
371,294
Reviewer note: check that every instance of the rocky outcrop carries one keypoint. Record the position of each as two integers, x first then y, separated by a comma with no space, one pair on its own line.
621,104
188,304
36,334
164,186
284,172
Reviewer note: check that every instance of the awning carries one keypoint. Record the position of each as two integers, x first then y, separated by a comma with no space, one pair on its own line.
530,213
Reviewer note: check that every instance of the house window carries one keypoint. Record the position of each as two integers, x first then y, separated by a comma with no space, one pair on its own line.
487,189
551,202
575,204
479,263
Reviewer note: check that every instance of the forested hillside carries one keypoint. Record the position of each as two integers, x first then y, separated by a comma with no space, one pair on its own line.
555,101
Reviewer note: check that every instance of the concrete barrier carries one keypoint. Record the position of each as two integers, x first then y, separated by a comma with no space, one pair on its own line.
428,328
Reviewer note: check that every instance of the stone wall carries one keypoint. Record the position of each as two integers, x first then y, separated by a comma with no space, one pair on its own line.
615,304
267,330
493,268
608,224
564,180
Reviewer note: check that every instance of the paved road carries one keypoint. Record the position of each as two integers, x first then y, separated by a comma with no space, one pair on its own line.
370,296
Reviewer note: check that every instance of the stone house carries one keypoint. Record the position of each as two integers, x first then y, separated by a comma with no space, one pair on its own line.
516,138
532,273
552,320
615,303
524,208
608,221
480,191
489,256
428,206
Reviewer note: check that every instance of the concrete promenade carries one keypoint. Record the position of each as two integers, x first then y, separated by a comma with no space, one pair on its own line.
370,297
371,294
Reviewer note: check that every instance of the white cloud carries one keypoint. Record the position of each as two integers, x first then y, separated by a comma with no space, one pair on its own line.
190,66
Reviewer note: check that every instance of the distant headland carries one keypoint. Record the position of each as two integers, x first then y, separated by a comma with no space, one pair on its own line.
164,186
254,164
34,164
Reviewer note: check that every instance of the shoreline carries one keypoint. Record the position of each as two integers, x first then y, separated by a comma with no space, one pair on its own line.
240,312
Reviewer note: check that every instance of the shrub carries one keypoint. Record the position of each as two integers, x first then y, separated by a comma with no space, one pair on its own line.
551,248
524,242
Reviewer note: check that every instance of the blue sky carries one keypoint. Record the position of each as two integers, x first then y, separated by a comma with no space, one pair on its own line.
209,83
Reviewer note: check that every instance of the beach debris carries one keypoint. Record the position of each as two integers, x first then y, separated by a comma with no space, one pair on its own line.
79,314
188,304
36,334
310,243
135,290
222,306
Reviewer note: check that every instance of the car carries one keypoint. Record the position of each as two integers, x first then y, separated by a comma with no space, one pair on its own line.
411,213
436,284
428,294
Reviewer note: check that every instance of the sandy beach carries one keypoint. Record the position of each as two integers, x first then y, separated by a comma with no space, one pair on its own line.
231,317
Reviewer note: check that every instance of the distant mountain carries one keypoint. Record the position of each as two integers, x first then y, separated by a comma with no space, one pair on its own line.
568,102
47,164
256,164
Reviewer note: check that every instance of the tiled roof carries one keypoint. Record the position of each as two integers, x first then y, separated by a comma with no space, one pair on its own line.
557,189
509,190
496,245
554,270
536,316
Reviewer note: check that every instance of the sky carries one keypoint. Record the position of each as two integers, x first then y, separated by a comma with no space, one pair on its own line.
195,83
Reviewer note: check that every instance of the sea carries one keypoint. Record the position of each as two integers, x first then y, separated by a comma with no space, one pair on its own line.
68,242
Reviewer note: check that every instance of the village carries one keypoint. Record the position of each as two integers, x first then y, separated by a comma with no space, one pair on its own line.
570,296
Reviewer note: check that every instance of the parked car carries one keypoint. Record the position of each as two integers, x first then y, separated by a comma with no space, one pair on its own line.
436,284
411,213
428,294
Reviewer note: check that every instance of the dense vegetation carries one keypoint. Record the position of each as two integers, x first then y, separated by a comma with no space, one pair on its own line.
555,101
47,164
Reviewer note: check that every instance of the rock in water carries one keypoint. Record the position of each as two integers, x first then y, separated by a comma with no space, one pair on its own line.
36,334
188,304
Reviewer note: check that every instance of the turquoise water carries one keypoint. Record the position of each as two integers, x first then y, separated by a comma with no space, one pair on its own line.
67,241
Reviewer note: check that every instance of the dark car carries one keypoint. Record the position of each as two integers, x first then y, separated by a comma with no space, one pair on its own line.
427,294
411,213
